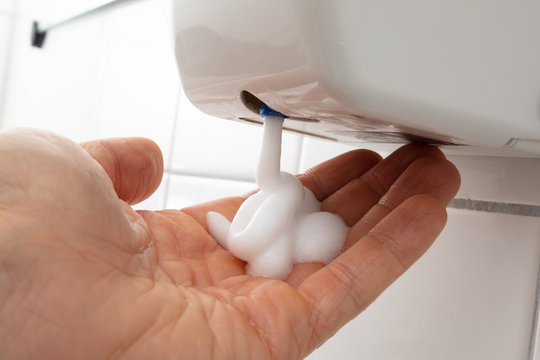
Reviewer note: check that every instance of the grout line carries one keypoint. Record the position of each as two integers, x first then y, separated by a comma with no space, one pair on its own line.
299,154
208,175
533,341
166,185
171,147
496,207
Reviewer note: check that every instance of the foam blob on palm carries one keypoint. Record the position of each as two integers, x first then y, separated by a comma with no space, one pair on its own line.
282,224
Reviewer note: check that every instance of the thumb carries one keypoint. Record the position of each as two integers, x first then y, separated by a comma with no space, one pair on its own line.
134,165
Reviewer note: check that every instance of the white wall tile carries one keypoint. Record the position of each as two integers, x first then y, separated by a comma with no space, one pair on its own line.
187,190
55,88
5,35
157,200
140,83
209,145
500,179
470,297
105,76
6,6
316,151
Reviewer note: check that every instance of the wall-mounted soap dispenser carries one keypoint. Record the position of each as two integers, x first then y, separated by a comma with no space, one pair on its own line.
453,73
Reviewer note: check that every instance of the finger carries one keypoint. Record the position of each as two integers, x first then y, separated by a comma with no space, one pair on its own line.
326,178
428,175
134,165
341,290
355,199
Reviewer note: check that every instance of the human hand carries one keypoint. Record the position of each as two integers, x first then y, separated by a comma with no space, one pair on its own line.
82,275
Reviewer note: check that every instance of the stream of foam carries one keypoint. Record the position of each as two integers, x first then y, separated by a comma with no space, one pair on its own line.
282,224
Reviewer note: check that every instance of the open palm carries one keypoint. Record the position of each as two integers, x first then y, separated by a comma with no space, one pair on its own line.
82,275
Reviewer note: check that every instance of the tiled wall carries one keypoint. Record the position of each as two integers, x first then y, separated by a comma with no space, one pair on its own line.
471,297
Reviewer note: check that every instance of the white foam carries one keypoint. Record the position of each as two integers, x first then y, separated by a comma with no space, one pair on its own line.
282,224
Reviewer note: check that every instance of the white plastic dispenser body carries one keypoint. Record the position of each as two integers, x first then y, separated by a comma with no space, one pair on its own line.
455,72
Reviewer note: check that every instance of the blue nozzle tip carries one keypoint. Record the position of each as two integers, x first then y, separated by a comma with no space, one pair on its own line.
267,111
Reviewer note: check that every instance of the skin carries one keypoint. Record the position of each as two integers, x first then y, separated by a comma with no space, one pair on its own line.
82,275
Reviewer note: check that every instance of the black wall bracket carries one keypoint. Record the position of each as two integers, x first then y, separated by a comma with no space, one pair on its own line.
38,36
